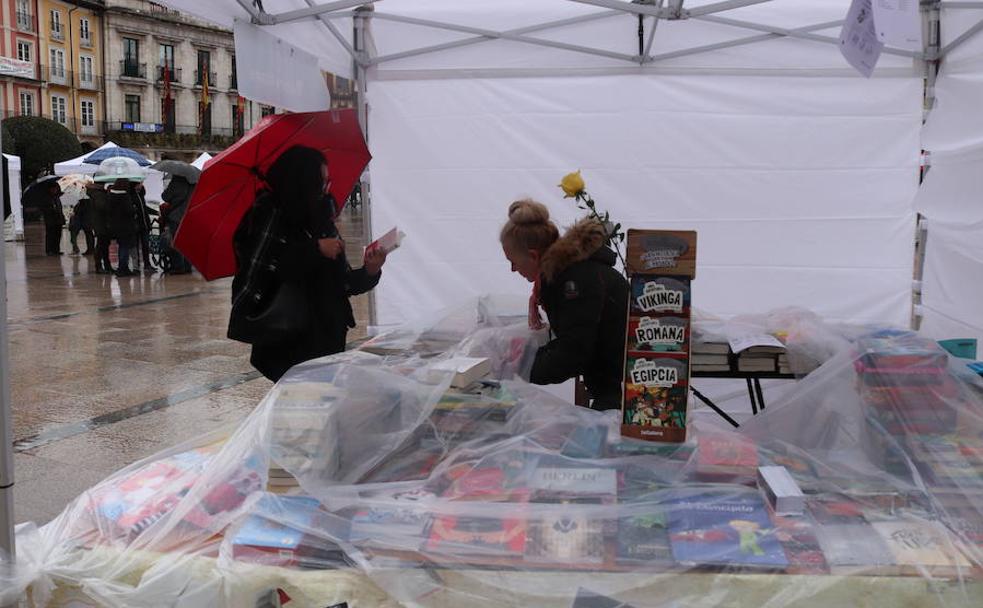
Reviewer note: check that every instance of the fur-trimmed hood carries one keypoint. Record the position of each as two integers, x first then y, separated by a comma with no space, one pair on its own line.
582,241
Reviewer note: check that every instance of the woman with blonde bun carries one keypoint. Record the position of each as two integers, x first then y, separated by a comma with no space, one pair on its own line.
585,299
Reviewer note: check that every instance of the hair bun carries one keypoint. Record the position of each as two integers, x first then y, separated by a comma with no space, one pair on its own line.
526,212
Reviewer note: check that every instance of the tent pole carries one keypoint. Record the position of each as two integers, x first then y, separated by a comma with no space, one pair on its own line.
6,432
360,60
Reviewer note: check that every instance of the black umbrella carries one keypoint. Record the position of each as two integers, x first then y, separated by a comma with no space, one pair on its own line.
36,194
178,168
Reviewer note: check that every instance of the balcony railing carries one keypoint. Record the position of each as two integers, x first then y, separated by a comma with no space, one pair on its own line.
90,82
199,77
56,75
57,33
132,69
85,41
175,74
160,130
26,22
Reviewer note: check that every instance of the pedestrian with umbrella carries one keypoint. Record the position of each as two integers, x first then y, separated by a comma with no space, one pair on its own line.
124,207
183,178
45,194
263,210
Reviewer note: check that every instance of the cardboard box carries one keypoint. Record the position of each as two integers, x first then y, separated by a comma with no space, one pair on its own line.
662,252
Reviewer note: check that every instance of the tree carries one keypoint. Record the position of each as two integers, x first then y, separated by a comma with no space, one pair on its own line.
40,143
8,140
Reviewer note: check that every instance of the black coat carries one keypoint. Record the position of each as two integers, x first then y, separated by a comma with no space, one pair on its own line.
124,214
326,283
586,301
99,212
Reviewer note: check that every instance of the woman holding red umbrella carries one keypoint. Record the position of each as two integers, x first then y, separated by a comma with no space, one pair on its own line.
290,295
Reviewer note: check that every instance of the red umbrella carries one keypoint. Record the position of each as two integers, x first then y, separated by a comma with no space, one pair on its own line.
228,185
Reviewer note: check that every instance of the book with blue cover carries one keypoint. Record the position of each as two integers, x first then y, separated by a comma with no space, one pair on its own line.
726,528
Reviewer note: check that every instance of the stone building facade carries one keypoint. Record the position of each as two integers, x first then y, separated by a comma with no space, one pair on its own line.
171,83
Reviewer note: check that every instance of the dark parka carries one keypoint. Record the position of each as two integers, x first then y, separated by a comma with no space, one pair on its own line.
295,257
124,214
586,301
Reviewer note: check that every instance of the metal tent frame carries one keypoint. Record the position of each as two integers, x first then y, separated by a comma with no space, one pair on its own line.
364,57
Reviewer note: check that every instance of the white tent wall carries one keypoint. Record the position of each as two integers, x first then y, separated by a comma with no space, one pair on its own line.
800,188
16,219
950,196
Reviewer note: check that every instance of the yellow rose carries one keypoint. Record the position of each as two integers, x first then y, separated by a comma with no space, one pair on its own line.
572,184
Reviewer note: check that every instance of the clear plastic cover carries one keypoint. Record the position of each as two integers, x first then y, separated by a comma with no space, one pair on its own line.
365,478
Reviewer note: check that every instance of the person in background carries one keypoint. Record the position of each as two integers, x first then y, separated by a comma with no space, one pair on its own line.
144,225
99,212
81,221
288,237
54,219
585,298
124,219
176,197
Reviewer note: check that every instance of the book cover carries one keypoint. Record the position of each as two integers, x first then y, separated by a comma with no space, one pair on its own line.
725,529
854,549
593,481
921,546
726,457
656,296
467,535
565,531
394,520
798,538
658,334
644,539
664,252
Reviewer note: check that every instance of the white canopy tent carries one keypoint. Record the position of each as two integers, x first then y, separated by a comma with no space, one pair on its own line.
154,182
13,186
738,118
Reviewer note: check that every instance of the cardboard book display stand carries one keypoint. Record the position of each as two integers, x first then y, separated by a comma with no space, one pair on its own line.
660,265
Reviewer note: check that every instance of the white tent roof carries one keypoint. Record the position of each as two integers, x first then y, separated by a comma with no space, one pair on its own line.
76,165
407,36
13,162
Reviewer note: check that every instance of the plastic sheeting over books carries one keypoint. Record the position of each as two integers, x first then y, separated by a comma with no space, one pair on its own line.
359,480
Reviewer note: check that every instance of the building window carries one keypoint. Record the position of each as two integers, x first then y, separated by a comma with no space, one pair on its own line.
204,61
267,111
167,55
56,31
88,113
131,57
26,103
132,103
25,20
24,51
57,63
85,35
238,120
234,78
58,113
85,69
205,118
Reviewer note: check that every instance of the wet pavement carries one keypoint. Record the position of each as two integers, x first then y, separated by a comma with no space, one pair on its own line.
106,371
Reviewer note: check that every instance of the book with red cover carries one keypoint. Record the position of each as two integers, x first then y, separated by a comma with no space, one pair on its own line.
485,536
726,457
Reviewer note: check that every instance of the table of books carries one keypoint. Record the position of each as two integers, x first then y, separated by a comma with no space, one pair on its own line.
363,479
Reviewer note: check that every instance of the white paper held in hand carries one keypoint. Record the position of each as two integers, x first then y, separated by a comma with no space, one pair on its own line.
387,242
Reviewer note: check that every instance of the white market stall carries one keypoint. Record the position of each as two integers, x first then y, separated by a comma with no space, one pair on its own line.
13,186
738,119
154,182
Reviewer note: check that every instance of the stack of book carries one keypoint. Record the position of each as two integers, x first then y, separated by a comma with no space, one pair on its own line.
710,357
761,359
661,265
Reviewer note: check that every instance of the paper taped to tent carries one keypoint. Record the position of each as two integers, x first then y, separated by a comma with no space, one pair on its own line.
365,478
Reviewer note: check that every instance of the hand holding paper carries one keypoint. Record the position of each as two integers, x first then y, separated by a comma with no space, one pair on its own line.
386,243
